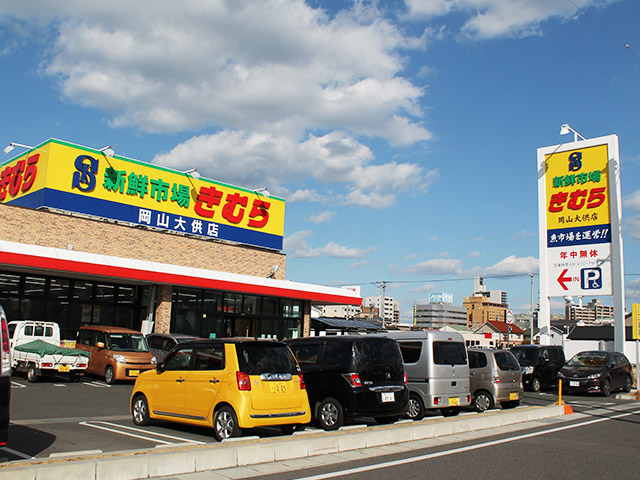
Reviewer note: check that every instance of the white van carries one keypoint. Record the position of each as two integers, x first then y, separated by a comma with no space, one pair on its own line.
438,370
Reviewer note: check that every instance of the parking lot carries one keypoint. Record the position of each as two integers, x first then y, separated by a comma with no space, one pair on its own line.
54,417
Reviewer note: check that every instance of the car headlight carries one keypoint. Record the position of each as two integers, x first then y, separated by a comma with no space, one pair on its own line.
154,360
595,375
119,358
527,369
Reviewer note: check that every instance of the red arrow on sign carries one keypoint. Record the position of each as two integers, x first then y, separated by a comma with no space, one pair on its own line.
562,279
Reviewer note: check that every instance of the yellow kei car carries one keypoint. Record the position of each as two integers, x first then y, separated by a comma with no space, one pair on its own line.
228,384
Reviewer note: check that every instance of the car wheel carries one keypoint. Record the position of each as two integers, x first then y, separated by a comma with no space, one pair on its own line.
416,408
329,414
225,424
109,375
450,411
482,401
32,374
628,385
535,384
512,404
140,411
605,389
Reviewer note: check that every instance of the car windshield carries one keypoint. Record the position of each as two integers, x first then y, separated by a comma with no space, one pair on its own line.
588,359
127,342
526,356
257,358
506,361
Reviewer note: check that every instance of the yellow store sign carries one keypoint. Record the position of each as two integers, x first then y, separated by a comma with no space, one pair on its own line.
63,176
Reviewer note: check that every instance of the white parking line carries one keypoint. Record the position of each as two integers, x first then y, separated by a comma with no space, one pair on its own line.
16,453
92,383
17,385
118,429
454,451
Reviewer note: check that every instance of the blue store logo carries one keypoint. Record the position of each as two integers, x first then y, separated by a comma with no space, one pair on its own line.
85,177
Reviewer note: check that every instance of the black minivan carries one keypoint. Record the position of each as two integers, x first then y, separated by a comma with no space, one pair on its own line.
351,376
540,365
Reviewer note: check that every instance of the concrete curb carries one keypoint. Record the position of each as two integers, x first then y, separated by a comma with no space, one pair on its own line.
139,464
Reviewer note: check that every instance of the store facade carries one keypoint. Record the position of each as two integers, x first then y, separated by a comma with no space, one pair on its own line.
88,238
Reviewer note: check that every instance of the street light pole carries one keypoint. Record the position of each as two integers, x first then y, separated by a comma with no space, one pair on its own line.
531,311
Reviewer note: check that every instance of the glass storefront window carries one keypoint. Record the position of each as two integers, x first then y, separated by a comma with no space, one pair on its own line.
212,302
250,304
291,308
232,302
269,306
82,290
59,289
126,295
105,293
34,286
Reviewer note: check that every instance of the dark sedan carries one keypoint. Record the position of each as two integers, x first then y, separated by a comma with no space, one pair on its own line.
597,372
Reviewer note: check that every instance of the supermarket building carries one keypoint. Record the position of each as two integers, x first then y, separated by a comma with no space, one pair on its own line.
90,237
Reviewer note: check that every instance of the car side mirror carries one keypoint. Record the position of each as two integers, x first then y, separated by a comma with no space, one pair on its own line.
100,344
160,367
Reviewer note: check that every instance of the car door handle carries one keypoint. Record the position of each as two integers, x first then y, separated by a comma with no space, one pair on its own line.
214,380
180,380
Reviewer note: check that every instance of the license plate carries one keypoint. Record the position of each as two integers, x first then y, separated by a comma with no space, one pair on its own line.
513,396
574,384
388,397
64,368
134,373
453,401
278,387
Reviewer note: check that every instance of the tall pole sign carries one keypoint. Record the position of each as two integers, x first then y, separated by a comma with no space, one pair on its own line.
579,207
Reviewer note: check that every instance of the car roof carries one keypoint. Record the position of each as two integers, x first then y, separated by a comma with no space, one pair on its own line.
234,340
109,329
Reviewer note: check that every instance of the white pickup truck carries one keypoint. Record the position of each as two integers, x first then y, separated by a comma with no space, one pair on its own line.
36,351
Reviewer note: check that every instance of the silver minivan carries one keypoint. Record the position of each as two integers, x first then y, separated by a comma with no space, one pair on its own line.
437,369
496,378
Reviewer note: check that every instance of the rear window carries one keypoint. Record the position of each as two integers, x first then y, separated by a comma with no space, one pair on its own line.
258,358
370,354
526,356
449,353
410,351
306,354
506,361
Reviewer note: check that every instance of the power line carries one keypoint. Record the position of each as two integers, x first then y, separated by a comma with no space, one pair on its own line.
613,35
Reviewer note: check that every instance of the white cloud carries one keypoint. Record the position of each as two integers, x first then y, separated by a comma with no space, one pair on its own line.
436,266
245,158
426,288
525,234
513,265
502,18
322,217
274,66
296,245
475,254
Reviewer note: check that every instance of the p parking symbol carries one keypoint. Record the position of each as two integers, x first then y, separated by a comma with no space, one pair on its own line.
591,278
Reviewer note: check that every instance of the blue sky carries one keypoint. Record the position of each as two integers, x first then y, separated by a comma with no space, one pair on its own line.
403,134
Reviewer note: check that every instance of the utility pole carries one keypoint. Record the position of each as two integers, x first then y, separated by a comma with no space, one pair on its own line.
531,311
383,286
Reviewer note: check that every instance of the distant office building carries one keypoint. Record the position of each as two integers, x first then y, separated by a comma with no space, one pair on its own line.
495,296
481,310
339,311
438,315
594,313
390,312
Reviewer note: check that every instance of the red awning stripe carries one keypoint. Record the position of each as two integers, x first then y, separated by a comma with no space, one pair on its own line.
152,272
